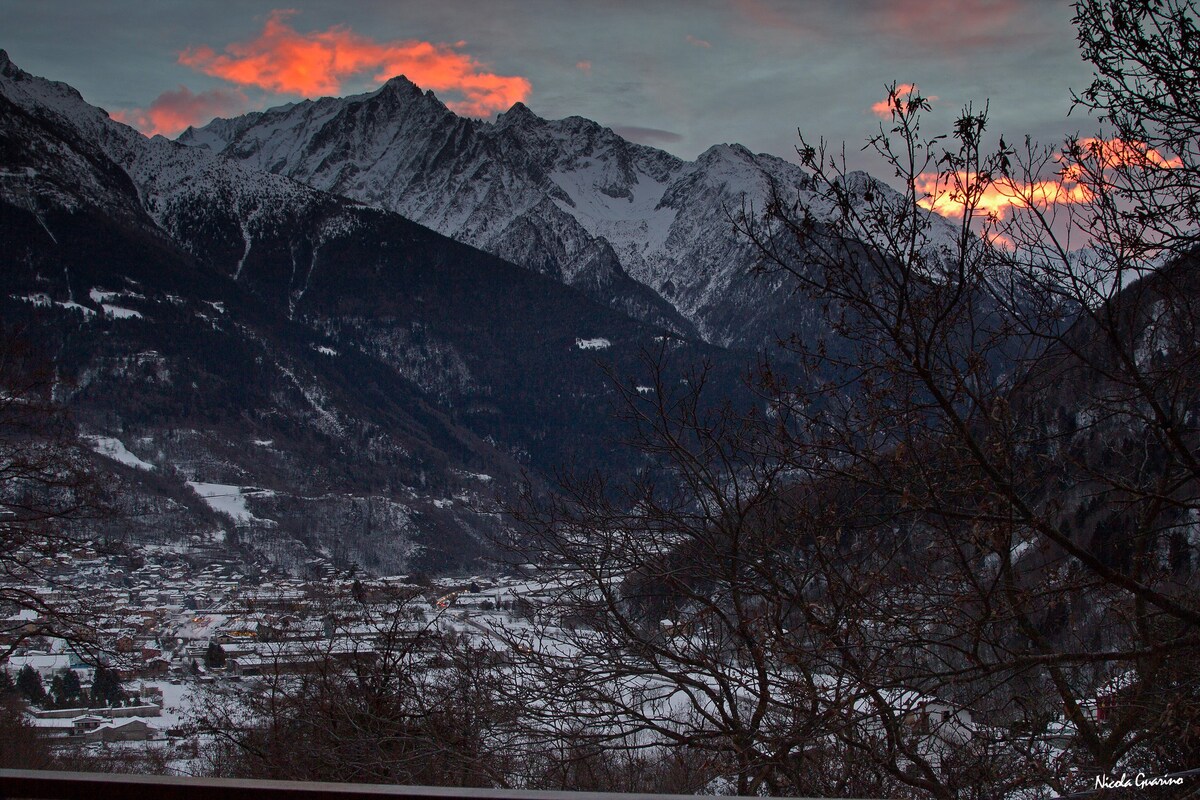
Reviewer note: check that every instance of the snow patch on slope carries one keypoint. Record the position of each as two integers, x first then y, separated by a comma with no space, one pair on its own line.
633,224
231,500
43,301
113,448
117,312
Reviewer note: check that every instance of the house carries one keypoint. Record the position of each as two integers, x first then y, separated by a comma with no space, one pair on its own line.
45,664
295,657
133,729
153,694
86,723
155,668
925,714
236,648
101,713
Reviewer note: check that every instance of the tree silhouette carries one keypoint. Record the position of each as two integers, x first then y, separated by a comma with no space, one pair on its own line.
65,689
214,656
29,684
106,687
832,591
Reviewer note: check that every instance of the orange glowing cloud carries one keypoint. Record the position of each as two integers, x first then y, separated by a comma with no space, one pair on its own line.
944,194
1114,153
281,59
173,111
585,67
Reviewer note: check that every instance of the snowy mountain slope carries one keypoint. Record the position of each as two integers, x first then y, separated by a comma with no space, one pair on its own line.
404,151
175,368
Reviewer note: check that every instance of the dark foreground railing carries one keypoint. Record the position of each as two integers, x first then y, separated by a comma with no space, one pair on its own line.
25,783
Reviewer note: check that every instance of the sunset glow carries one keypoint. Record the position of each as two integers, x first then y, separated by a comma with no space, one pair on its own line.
1114,153
283,60
944,194
174,110
947,25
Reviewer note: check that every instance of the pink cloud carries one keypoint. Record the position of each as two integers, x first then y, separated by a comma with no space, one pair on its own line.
1117,153
949,24
942,194
174,110
692,40
585,67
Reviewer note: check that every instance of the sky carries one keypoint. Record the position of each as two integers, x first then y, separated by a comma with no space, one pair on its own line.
681,76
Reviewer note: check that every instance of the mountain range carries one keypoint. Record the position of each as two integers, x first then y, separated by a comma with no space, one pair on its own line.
343,331
346,331
308,375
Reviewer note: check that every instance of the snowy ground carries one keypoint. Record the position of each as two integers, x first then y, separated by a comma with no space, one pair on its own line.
178,703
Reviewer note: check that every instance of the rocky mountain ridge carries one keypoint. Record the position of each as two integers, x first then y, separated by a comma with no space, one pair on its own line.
635,227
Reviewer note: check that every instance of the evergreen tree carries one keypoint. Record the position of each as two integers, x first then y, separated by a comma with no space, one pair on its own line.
65,689
106,688
29,684
57,691
21,746
214,657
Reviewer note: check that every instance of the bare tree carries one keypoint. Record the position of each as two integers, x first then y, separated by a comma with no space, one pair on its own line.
1145,55
954,553
659,630
949,551
1031,408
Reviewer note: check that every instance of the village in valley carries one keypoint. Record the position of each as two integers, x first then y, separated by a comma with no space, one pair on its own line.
173,622
176,626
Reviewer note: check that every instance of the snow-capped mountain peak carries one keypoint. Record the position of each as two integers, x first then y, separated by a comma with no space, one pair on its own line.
636,227
519,114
